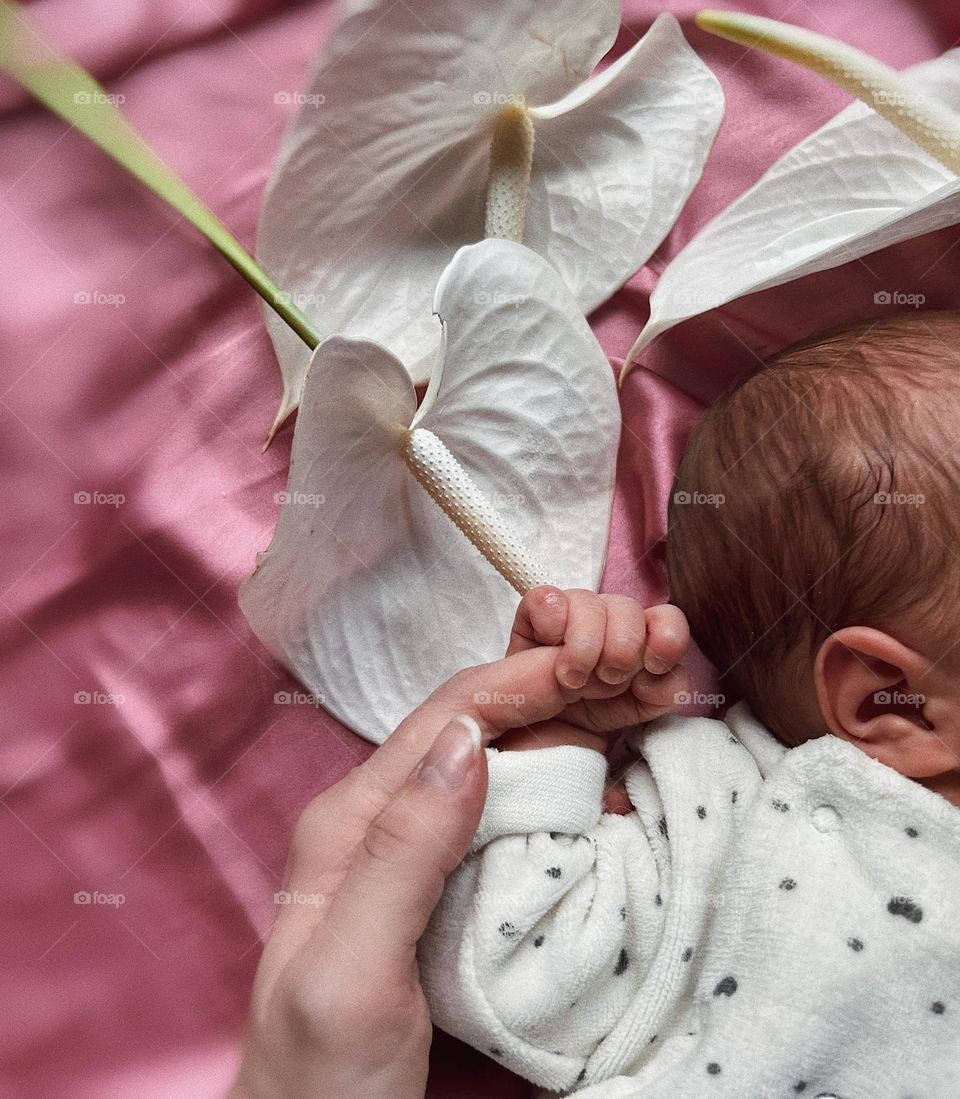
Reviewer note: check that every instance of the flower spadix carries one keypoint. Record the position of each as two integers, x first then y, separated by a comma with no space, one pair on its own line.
430,126
882,171
406,533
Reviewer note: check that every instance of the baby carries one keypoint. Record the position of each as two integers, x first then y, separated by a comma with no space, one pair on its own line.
777,914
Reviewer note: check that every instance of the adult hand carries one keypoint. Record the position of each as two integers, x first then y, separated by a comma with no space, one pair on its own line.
337,1007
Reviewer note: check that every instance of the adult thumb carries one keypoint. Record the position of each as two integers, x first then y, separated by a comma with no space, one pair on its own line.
397,873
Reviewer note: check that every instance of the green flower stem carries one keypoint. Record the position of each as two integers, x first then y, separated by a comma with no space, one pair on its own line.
72,93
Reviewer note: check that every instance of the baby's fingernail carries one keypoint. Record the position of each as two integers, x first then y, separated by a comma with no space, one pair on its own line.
574,678
613,675
452,754
655,665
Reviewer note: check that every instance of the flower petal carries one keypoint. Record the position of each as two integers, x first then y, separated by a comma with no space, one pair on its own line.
528,404
368,592
382,175
855,186
615,161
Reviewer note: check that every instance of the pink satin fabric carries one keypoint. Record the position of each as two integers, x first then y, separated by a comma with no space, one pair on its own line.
176,784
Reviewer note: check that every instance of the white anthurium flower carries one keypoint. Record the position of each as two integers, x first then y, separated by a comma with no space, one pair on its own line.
428,128
862,182
406,534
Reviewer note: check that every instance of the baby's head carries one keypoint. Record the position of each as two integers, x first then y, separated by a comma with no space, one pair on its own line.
814,542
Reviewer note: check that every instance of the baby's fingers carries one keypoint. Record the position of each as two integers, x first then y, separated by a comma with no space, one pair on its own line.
583,638
623,652
541,619
658,694
668,637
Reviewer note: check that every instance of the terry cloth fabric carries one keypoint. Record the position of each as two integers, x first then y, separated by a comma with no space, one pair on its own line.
767,922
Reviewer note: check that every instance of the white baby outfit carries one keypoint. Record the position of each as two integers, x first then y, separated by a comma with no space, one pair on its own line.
767,923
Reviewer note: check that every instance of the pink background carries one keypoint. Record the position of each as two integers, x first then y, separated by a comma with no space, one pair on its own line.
182,797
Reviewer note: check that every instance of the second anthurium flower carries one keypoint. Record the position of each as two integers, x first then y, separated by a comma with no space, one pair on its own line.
407,532
429,127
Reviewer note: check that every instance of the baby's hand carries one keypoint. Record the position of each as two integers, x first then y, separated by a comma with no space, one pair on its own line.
609,637
618,663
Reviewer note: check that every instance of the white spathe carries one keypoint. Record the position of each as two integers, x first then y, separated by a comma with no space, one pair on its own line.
853,187
383,173
368,593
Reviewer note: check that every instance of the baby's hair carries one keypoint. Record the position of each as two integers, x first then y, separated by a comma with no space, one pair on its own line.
822,491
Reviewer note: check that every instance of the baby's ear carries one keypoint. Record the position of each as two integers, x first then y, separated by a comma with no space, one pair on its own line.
888,700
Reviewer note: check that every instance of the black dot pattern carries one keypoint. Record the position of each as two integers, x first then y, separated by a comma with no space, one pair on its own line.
726,987
507,930
622,962
912,833
788,884
662,825
553,872
733,797
713,1068
800,1086
658,900
702,812
687,954
780,806
904,906
938,1007
538,941
496,1051
856,945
